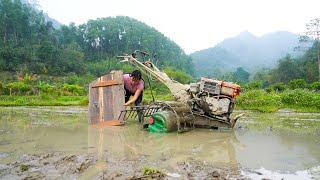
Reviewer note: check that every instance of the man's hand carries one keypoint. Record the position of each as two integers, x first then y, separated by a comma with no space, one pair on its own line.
128,103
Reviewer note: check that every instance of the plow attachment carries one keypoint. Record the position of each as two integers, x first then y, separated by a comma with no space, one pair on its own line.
138,111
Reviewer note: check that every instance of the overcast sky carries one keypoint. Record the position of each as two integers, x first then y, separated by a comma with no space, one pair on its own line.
193,24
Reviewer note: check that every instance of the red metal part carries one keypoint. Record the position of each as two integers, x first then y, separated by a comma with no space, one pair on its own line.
230,89
151,120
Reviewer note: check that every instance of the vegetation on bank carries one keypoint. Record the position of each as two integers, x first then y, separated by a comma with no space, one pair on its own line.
29,90
53,100
297,95
300,100
44,100
41,65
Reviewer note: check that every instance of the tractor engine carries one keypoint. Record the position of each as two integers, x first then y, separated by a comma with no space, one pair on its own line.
213,98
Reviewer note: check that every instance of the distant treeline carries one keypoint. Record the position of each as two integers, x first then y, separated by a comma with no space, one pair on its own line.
289,68
30,44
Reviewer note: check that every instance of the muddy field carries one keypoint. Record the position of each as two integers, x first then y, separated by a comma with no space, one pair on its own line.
57,142
86,166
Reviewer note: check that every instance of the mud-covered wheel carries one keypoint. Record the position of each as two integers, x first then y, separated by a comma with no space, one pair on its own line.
162,122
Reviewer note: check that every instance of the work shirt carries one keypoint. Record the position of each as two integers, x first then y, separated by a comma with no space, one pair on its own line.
131,85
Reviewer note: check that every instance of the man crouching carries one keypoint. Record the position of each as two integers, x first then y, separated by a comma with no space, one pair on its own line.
134,86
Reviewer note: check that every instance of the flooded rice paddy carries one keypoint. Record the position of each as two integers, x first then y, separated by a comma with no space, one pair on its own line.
57,142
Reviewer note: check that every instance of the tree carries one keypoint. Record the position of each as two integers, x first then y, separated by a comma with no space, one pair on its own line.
287,70
178,75
313,30
241,75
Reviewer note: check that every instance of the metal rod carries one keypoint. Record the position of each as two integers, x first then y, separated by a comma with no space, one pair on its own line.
148,111
132,114
125,115
135,114
129,114
120,115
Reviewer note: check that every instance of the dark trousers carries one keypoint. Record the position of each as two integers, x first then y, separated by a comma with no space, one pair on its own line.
129,94
136,103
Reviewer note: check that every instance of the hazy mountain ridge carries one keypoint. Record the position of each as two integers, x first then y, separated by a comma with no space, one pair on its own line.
248,51
34,4
56,24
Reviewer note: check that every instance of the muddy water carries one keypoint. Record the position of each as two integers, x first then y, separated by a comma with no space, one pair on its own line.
282,144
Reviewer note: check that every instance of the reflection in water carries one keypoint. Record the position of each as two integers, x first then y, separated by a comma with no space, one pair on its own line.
283,141
277,151
131,142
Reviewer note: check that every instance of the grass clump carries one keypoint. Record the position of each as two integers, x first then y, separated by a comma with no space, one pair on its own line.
259,100
24,168
153,172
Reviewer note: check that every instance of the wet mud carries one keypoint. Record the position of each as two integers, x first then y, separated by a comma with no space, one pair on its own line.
78,166
47,166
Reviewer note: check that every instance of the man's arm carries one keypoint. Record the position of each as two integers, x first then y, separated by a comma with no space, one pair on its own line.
135,97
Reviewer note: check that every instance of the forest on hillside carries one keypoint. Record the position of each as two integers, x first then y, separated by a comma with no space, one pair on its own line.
30,44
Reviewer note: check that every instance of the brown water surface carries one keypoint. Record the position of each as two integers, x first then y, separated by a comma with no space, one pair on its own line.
283,142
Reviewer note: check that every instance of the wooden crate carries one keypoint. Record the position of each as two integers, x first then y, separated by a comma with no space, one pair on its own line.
106,98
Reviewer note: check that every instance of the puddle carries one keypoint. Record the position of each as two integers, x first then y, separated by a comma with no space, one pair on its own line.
282,144
3,155
263,173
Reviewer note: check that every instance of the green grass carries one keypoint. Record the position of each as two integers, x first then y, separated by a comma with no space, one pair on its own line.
259,100
298,100
147,97
51,100
43,100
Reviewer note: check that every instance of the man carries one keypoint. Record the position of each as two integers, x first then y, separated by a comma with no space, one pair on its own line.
134,86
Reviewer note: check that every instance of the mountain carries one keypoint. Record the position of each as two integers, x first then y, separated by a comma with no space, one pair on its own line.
35,6
209,62
56,24
247,51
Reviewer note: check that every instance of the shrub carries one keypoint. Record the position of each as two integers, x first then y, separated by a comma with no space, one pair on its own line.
80,80
254,85
315,86
269,89
301,98
1,88
71,89
259,100
297,83
278,87
19,88
46,88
